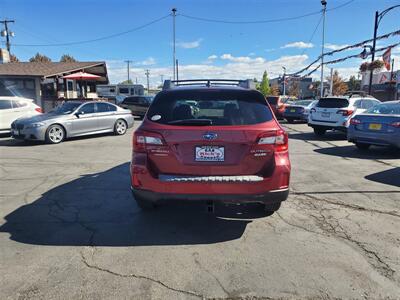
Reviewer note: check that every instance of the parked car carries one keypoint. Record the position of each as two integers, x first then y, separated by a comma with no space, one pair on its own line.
74,118
12,108
335,112
278,104
298,110
379,125
232,150
137,104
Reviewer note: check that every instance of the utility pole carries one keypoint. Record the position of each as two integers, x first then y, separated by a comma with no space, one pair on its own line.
284,81
173,37
7,33
331,84
128,63
177,70
371,74
323,2
148,83
162,79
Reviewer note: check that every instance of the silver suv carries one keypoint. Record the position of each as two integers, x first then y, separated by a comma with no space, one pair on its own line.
335,112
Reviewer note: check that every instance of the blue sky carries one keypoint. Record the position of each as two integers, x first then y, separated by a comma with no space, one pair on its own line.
205,49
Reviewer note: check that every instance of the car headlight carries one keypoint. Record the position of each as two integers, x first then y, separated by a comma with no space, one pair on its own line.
35,125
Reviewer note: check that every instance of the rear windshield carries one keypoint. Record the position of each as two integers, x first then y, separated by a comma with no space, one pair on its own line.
130,100
272,100
333,103
209,107
385,109
303,102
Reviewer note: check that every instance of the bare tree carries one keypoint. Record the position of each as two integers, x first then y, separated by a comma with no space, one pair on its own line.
67,58
40,58
13,58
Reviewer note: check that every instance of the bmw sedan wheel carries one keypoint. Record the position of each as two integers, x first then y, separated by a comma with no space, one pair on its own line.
120,127
55,134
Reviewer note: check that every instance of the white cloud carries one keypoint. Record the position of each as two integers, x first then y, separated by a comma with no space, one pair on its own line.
334,46
240,67
242,59
300,45
148,62
189,45
212,57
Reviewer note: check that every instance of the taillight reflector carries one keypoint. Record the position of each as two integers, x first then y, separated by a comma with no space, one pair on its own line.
395,124
345,112
278,138
355,122
142,139
39,110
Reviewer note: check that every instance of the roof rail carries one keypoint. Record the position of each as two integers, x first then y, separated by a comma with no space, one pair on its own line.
356,93
247,84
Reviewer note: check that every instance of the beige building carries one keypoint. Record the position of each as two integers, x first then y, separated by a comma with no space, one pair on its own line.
44,82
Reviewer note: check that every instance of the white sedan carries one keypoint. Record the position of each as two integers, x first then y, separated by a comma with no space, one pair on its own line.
12,108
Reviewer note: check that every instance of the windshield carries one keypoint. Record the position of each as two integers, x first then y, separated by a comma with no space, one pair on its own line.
333,103
385,109
303,102
66,108
202,108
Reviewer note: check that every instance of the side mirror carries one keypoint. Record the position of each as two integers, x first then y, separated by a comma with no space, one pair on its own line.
77,114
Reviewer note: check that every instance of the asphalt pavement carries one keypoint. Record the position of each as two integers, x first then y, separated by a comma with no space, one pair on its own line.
69,228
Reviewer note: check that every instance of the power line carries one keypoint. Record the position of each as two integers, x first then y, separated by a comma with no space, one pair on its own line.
313,34
97,39
263,21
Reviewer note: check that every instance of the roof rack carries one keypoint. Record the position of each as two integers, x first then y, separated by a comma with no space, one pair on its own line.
247,84
356,93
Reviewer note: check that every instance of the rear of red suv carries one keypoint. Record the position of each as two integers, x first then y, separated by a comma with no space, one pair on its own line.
210,143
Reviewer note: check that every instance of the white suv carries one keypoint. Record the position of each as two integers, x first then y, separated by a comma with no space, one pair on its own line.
12,108
334,113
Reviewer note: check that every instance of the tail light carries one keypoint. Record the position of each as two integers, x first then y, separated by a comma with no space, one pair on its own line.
355,121
143,139
345,112
395,124
39,109
277,138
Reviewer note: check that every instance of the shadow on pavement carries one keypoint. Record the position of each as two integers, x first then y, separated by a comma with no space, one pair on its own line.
310,136
390,177
351,151
98,210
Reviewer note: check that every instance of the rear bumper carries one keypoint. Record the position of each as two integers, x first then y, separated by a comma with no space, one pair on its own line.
327,126
382,139
268,197
296,116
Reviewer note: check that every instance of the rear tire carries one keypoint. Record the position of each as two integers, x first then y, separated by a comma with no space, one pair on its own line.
362,146
55,134
319,131
145,204
120,127
272,207
290,120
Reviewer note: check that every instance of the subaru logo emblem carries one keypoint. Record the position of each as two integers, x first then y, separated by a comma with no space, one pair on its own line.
210,136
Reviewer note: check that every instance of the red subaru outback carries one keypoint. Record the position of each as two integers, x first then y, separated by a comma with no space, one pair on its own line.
213,141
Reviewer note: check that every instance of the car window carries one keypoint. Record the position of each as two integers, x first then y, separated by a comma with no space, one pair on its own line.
333,103
19,103
272,100
87,108
209,108
124,90
105,107
358,104
130,100
5,104
367,104
385,109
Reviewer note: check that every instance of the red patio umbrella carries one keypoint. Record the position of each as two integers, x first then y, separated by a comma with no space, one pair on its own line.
82,76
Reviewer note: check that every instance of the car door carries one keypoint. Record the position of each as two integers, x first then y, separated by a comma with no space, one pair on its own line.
86,120
105,115
7,114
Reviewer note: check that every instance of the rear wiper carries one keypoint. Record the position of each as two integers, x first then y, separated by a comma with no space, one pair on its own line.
194,122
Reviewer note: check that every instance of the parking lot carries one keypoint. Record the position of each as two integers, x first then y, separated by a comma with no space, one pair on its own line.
69,228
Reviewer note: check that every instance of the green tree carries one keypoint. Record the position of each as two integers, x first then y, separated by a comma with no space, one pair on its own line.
353,84
126,82
40,58
264,87
67,58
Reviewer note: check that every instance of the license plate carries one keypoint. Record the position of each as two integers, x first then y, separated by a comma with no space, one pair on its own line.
325,115
292,110
210,153
374,126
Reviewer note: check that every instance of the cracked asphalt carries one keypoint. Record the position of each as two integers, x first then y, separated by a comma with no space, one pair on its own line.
70,229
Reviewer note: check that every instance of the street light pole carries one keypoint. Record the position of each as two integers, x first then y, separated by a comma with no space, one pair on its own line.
323,2
173,37
378,18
